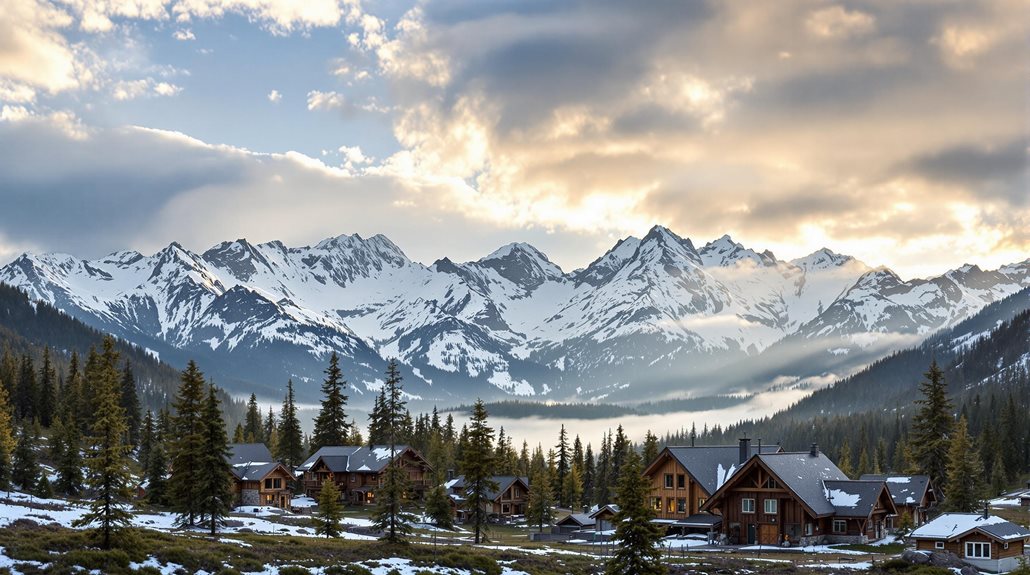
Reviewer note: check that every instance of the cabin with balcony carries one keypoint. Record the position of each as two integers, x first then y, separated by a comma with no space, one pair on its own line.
799,499
508,500
985,541
684,477
257,478
914,496
358,470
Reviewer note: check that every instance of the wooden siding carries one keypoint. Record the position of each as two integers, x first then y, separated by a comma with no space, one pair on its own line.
666,501
958,547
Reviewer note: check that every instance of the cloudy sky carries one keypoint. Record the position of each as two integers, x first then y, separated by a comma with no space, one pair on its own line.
896,132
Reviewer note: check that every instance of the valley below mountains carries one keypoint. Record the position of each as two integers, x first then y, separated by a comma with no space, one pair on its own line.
653,318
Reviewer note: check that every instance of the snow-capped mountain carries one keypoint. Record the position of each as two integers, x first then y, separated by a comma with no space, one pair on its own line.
654,314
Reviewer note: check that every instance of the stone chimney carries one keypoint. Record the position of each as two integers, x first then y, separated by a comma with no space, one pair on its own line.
814,452
745,450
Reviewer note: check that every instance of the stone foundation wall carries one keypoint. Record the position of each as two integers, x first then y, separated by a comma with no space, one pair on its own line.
250,497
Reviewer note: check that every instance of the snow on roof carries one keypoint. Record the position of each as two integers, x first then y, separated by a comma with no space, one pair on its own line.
842,499
955,525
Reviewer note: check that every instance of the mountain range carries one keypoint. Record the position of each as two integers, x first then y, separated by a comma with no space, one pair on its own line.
653,317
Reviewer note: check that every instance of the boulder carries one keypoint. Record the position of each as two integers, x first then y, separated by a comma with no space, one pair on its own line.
915,557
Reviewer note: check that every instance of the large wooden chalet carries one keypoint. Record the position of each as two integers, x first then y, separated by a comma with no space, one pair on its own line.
509,499
986,542
914,496
800,498
357,470
257,478
683,478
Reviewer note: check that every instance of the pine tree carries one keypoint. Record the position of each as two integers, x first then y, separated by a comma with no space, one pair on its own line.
572,489
269,432
108,455
998,475
213,473
331,423
650,448
844,461
7,441
147,437
438,507
588,477
238,435
620,450
43,489
390,517
130,403
602,476
330,512
539,510
477,466
932,427
47,394
562,467
157,475
291,440
864,465
187,446
377,434
26,468
69,459
638,552
27,394
253,428
965,472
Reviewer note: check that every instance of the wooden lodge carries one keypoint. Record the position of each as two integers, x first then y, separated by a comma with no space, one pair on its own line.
357,470
257,478
508,500
799,498
986,542
914,496
684,477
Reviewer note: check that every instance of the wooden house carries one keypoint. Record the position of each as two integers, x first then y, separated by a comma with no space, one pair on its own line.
799,498
604,517
573,522
914,496
986,542
358,470
684,477
509,499
257,478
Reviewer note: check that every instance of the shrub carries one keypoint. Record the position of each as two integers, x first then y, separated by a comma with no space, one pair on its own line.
293,570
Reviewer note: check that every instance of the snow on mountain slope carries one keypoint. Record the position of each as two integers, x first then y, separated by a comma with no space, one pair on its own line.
510,323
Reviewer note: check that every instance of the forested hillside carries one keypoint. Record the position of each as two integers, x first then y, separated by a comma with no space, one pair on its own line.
27,328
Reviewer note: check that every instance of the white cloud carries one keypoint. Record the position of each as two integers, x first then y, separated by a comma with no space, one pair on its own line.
34,52
184,34
838,22
275,97
279,16
142,88
325,100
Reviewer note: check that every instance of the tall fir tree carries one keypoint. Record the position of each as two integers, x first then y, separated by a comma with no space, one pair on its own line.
270,431
157,475
650,452
477,466
147,437
390,516
638,551
438,507
376,420
68,460
253,426
213,473
7,441
330,513
331,423
108,455
130,403
562,463
27,397
964,489
539,510
572,488
932,427
588,477
844,460
238,435
47,390
291,439
602,475
187,446
620,450
26,467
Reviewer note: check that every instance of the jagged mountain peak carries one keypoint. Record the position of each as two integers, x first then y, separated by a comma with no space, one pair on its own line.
824,258
726,252
522,264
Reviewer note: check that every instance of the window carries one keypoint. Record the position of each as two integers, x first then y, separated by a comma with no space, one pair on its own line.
670,505
840,526
277,483
681,481
515,493
268,484
353,478
938,545
770,506
656,503
975,550
771,483
700,502
505,508
809,528
681,505
747,505
668,481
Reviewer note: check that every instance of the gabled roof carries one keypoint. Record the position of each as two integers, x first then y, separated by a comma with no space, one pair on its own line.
252,461
580,519
951,526
503,483
905,489
611,508
854,498
355,458
709,466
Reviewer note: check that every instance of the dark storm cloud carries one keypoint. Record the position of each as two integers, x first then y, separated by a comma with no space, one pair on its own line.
1000,169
